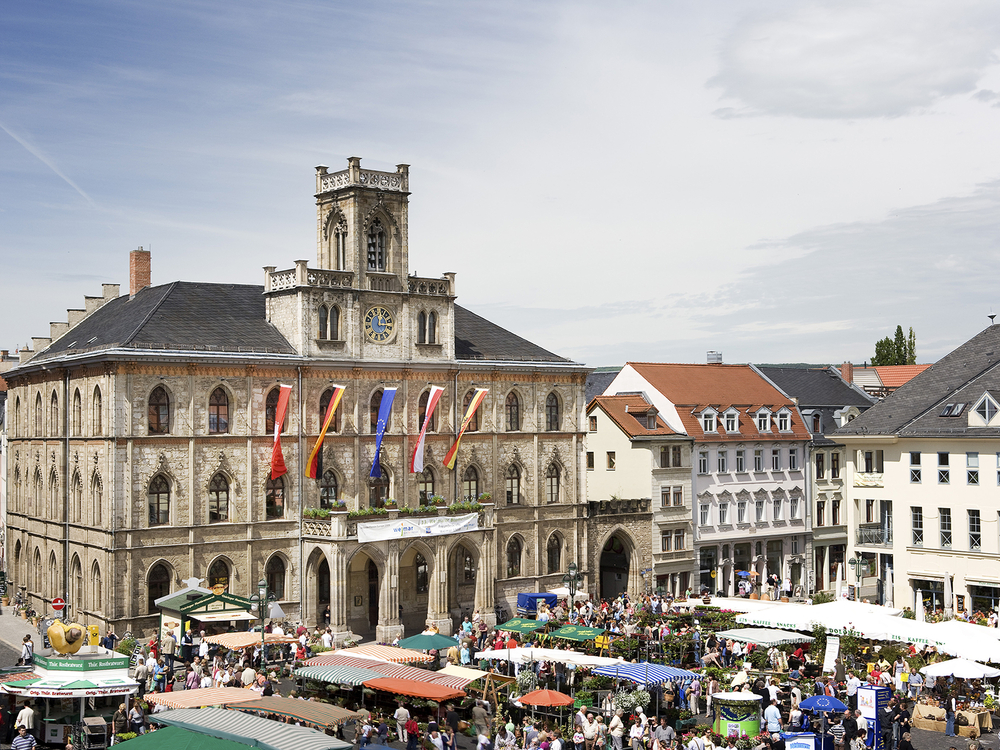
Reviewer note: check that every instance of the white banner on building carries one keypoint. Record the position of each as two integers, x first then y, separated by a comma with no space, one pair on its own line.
402,528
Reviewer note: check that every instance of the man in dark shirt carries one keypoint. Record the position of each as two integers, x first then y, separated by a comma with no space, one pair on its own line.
451,718
850,727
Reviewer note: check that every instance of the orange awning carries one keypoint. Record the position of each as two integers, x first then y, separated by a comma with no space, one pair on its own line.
203,697
427,690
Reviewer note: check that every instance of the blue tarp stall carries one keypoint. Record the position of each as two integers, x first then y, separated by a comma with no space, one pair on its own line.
527,604
646,674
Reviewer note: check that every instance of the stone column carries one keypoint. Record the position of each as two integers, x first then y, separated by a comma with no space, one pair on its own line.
338,593
389,625
437,599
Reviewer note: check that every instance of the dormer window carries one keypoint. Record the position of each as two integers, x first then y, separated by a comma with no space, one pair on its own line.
651,421
987,408
784,421
953,410
708,421
763,421
732,421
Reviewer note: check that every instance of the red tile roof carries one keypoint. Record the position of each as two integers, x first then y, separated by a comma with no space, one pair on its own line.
629,413
893,376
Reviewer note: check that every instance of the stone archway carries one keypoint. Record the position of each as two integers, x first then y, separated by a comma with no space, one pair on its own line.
316,589
416,576
615,565
364,592
463,568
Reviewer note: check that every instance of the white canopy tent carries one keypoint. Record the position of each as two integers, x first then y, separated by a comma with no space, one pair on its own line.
968,670
732,603
838,617
765,637
967,641
528,655
563,593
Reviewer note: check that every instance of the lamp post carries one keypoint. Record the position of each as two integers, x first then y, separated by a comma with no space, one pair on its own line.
261,600
572,581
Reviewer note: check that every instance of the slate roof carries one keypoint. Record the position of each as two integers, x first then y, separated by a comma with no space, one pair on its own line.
960,377
817,387
628,411
183,315
478,338
598,382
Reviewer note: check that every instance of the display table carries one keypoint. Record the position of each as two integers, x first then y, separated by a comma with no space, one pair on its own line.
932,718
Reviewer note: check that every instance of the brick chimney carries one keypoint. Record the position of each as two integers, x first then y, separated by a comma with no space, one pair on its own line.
847,372
139,271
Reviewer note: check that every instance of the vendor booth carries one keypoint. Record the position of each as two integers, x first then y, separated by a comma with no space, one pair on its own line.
736,714
527,604
196,609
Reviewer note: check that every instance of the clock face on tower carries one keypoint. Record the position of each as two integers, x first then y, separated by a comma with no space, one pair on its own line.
379,324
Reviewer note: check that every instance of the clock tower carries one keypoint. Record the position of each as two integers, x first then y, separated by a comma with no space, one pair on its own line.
359,301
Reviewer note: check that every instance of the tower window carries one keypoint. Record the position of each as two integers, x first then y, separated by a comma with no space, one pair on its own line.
376,247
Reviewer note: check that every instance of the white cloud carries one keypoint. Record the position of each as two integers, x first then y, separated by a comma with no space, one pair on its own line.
857,59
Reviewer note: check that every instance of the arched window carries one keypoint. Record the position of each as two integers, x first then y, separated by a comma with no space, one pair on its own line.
17,490
513,557
97,499
17,417
324,403
271,412
76,581
218,574
324,317
38,415
158,585
218,412
468,566
420,565
552,484
422,409
95,413
54,415
328,490
421,327
512,412
54,511
159,411
76,497
334,323
275,575
474,422
54,587
470,485
96,589
512,480
552,413
378,489
432,324
553,553
77,421
374,407
37,496
218,499
17,561
376,247
274,498
340,236
425,486
159,501
37,569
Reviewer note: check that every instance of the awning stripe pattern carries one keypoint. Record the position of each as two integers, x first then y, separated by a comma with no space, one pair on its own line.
202,697
429,690
386,669
237,725
645,673
338,675
386,653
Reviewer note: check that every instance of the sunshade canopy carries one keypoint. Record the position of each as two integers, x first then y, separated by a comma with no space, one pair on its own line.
546,698
236,641
968,670
822,703
202,697
528,655
385,653
250,730
766,637
338,675
467,673
521,625
384,669
429,690
645,673
175,738
966,640
309,712
838,617
426,642
577,633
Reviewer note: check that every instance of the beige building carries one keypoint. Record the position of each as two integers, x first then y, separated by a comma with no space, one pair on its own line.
141,434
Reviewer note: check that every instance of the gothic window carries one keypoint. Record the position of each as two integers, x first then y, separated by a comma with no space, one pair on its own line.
218,574
53,509
274,498
97,499
512,412
334,323
158,585
513,485
420,566
375,405
95,415
218,499
328,490
271,412
324,404
376,247
53,575
421,327
218,412
422,409
553,554
552,484
36,497
159,501
37,565
77,421
378,489
425,486
54,415
275,575
474,422
159,411
76,497
324,316
432,324
96,590
17,490
513,557
38,415
340,235
76,581
468,566
552,413
470,485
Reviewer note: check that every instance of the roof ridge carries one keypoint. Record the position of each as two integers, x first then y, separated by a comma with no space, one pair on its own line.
166,293
934,405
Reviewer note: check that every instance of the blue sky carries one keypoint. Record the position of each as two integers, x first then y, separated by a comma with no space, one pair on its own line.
645,181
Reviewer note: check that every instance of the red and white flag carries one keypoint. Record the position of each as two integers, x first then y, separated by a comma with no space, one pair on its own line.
278,467
417,462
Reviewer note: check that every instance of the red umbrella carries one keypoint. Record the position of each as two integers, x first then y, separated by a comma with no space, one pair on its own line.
546,698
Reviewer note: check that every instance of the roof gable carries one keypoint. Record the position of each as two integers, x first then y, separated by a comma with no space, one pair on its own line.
629,412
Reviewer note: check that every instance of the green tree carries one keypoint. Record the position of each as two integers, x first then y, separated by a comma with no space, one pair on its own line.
885,353
911,348
899,345
898,350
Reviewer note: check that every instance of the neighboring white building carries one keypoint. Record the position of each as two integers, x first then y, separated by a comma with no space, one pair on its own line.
922,471
747,473
633,453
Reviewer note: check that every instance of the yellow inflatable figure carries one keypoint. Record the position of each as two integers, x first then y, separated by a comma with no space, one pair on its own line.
66,639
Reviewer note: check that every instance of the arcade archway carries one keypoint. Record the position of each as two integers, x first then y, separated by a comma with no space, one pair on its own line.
615,563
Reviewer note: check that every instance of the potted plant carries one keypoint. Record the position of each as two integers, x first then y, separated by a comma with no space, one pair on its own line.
390,504
438,501
339,506
485,498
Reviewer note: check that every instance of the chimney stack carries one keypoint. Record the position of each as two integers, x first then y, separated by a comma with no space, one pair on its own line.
139,271
847,372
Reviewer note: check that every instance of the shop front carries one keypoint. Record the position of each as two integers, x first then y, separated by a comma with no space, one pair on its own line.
198,609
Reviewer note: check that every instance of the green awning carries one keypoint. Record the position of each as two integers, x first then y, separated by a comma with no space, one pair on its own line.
338,674
254,731
521,625
22,683
175,738
577,633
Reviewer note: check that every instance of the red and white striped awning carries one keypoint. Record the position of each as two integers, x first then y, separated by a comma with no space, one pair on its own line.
386,653
388,669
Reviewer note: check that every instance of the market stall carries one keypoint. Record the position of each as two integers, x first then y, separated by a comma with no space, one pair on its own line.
248,729
415,689
217,696
385,653
765,637
521,625
319,715
736,714
529,655
195,608
337,660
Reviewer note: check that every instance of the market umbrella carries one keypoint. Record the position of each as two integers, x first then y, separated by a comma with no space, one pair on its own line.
546,698
948,609
823,704
963,668
839,591
919,606
428,641
887,599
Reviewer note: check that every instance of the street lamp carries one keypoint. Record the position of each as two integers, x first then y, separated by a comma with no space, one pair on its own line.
572,581
261,601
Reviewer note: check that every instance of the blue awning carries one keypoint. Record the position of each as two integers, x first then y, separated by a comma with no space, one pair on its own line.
646,673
